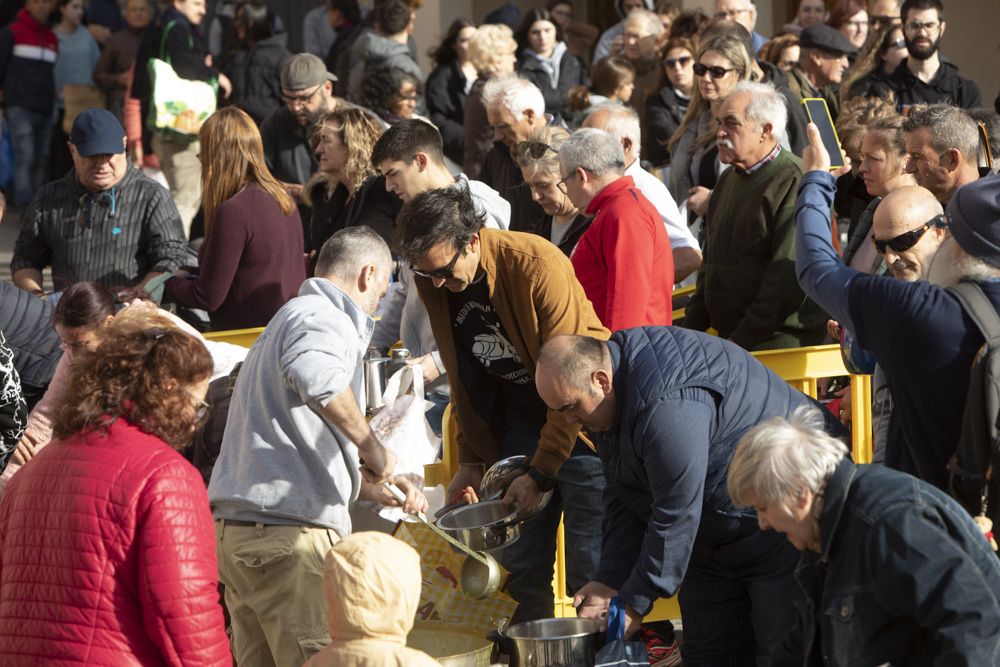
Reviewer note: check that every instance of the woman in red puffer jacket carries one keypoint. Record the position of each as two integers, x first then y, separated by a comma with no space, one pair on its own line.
107,553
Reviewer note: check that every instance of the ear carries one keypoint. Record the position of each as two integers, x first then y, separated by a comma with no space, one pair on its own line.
530,115
767,130
365,277
602,378
941,29
421,159
951,159
626,144
474,242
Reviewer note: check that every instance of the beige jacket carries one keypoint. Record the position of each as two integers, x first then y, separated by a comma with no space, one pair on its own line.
372,586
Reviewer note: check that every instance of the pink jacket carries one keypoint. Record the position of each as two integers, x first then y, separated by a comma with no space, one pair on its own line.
107,557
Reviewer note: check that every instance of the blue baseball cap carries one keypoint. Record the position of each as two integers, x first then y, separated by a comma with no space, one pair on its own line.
97,132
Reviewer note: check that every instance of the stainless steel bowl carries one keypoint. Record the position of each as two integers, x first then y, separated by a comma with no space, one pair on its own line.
485,526
554,642
501,474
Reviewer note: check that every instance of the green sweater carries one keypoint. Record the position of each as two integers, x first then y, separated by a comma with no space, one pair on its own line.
747,289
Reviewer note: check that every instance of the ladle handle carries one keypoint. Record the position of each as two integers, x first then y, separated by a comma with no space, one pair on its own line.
398,494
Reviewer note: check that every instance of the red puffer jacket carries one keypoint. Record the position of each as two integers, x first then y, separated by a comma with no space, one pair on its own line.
107,557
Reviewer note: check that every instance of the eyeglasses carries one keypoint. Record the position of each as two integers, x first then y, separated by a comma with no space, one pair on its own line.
916,27
562,184
674,62
716,72
728,15
535,149
896,44
293,100
202,409
446,272
907,240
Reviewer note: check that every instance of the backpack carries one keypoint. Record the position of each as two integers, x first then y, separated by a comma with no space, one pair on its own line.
978,451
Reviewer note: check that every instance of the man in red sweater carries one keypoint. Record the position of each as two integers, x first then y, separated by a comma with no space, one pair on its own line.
624,260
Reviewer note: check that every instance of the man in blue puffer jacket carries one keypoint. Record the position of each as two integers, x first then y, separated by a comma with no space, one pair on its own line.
667,407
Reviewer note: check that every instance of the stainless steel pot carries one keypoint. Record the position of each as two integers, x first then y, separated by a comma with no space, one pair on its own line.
554,642
484,526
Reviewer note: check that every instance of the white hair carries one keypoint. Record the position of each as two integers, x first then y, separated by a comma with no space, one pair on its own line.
653,24
594,150
620,121
776,459
517,95
952,264
766,106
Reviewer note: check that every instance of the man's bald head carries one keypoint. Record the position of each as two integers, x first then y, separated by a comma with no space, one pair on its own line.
573,377
574,358
904,210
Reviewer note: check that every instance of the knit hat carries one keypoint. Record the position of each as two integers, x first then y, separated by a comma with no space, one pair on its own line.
974,219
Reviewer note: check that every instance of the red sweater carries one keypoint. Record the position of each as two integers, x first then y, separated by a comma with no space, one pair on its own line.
624,261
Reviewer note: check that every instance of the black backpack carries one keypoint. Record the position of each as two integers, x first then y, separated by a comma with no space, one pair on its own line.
974,470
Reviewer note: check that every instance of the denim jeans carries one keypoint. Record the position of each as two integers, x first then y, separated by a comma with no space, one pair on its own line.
737,601
579,494
31,136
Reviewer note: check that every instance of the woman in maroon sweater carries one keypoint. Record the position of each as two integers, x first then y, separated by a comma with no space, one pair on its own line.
251,261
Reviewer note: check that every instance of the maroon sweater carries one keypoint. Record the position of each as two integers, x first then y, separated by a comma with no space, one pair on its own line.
251,263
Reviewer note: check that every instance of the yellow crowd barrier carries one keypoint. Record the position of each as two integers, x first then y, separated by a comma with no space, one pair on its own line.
241,337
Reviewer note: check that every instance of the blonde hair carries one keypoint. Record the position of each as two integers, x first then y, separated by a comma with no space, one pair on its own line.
549,135
358,131
488,44
232,155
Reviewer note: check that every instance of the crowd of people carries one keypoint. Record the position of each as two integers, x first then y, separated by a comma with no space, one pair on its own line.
520,218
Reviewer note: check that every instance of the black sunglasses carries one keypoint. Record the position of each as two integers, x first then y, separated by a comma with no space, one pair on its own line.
447,272
535,149
716,72
673,62
907,240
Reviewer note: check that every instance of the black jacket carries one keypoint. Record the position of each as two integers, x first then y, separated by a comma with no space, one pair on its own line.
256,76
946,87
26,321
445,97
501,173
338,58
663,115
580,224
572,72
904,577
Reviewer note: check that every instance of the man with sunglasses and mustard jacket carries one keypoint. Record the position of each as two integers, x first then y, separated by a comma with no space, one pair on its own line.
493,299
918,331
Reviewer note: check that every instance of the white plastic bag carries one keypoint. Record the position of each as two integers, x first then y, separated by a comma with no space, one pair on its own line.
402,427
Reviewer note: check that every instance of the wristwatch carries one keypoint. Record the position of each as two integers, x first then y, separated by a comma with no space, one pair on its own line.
544,481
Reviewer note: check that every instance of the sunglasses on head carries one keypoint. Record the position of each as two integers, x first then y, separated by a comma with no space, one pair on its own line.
446,272
674,62
907,240
535,149
716,72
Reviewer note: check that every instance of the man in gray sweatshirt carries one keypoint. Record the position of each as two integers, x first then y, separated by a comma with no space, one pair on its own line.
288,469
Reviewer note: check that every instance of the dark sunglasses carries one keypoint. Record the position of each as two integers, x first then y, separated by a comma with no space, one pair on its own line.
535,149
447,272
896,44
907,240
673,62
716,72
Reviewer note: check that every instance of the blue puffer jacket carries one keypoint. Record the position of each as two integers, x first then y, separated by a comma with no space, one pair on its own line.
684,400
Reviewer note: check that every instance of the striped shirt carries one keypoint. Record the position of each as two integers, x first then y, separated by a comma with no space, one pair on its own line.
114,237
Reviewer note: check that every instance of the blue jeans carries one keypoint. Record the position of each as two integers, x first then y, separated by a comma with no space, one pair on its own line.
580,494
31,136
737,601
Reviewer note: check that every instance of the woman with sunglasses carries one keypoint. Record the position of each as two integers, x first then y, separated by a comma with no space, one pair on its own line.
721,62
108,554
665,110
538,158
875,64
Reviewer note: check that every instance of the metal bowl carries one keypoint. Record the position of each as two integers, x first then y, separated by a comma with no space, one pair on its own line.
554,642
498,478
485,526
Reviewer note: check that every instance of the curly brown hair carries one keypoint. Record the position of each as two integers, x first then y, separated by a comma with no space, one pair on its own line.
358,131
139,355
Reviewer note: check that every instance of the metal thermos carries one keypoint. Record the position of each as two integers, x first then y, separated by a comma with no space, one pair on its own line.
375,379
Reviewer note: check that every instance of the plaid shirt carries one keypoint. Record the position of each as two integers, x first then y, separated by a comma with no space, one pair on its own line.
113,237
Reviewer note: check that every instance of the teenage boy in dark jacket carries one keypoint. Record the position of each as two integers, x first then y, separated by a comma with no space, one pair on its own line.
28,50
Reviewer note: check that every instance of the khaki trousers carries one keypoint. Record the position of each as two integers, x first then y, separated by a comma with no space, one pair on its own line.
274,591
182,169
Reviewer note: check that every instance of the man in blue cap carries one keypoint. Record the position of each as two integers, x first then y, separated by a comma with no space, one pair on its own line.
105,221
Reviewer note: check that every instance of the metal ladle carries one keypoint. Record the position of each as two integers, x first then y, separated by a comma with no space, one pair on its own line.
480,575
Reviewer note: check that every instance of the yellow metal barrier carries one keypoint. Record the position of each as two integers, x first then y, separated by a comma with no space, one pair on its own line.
241,337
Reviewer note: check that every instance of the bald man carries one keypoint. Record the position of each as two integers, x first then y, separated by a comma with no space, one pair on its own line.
908,228
665,407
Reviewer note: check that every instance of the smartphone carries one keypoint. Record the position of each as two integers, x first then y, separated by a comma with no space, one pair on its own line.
819,115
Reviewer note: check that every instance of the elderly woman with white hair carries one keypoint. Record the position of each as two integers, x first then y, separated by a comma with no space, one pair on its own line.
894,571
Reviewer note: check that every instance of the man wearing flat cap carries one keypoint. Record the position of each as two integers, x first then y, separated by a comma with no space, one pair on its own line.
105,221
823,54
918,331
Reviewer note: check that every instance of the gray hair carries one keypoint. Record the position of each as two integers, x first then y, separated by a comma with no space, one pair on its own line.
950,127
622,121
594,150
766,106
515,94
775,459
653,25
349,250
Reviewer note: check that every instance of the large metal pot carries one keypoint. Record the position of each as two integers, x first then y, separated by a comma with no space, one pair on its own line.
554,642
485,526
451,644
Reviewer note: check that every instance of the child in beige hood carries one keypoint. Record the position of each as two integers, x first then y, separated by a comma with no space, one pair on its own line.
372,586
